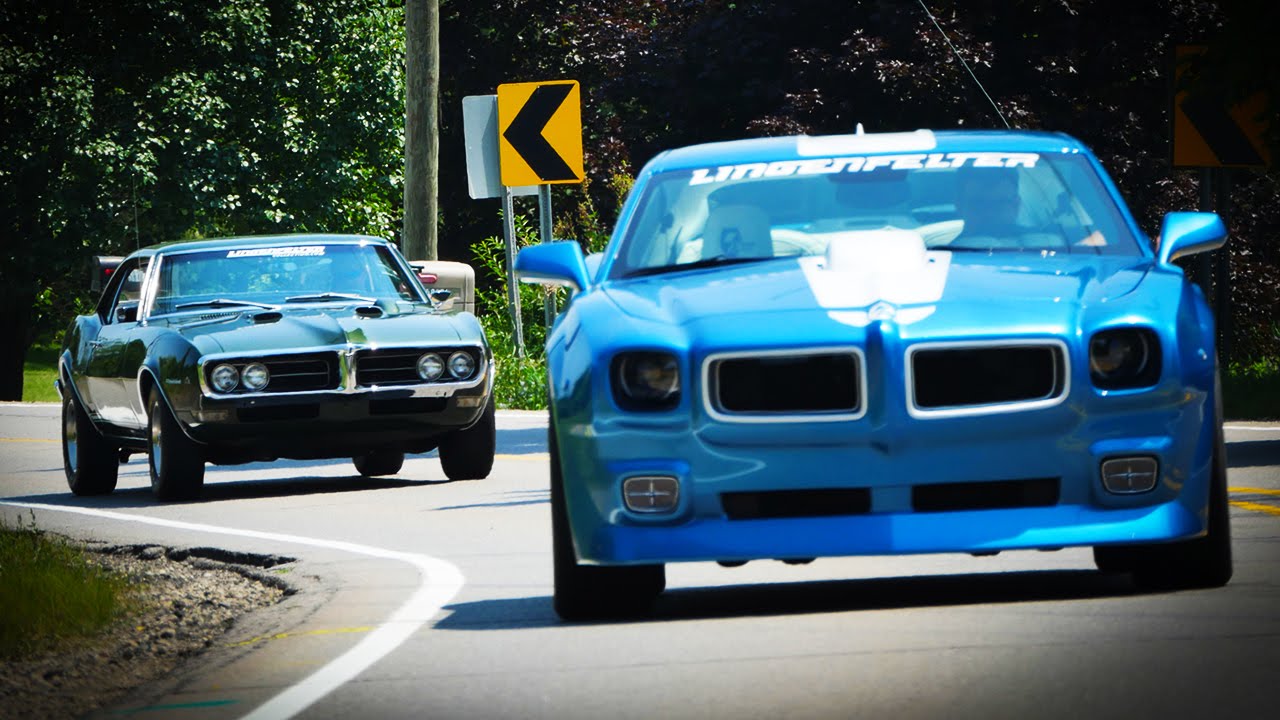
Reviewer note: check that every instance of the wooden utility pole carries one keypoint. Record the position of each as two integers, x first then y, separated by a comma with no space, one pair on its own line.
421,127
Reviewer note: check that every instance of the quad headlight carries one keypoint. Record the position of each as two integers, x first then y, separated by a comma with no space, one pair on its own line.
255,376
461,365
1124,358
225,378
646,380
430,367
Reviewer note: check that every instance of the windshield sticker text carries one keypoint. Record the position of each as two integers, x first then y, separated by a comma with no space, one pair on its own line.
300,251
826,166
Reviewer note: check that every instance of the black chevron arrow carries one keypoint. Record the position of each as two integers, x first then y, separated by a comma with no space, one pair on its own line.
1220,132
525,133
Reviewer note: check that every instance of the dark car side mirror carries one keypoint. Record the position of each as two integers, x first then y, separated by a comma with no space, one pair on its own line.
127,312
441,295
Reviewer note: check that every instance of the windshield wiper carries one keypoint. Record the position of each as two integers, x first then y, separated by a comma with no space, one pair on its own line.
329,297
717,261
223,302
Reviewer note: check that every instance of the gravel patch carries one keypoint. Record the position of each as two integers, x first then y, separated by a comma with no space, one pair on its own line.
186,600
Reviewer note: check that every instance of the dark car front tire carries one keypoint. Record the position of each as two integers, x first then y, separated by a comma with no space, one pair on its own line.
175,460
90,461
587,592
379,462
468,454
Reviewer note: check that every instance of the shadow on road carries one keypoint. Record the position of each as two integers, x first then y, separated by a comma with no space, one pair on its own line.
816,597
1253,453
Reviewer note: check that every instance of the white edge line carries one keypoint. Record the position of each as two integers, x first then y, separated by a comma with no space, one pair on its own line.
1252,428
441,581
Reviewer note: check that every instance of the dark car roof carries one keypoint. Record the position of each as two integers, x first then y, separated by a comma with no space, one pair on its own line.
254,241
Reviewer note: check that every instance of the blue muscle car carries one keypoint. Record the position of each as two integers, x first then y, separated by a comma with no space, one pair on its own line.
881,344
245,349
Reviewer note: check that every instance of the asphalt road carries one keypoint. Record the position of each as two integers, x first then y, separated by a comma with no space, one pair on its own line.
428,599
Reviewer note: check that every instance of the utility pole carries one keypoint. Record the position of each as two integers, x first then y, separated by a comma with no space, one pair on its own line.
421,127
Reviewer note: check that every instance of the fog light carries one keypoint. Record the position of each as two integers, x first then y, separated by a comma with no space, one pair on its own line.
651,494
1129,474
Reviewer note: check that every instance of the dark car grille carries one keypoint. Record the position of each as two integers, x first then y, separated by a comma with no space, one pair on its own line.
794,383
289,373
399,366
959,377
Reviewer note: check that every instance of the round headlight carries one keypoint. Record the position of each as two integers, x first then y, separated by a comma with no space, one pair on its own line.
1124,357
461,365
255,376
225,378
647,379
430,367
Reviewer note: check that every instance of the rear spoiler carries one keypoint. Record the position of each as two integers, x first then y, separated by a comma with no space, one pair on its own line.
101,268
458,278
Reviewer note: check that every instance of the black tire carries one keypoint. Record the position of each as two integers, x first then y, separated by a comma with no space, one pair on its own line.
379,462
1204,562
587,592
89,459
468,454
174,460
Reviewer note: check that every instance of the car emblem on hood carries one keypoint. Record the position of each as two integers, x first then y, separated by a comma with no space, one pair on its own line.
882,311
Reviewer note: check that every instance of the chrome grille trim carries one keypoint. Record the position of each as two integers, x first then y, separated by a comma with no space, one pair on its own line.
1060,381
711,383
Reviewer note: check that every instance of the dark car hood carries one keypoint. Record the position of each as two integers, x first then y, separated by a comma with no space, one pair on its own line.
313,327
954,289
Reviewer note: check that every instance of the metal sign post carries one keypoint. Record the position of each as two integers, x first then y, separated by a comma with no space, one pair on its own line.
544,225
513,288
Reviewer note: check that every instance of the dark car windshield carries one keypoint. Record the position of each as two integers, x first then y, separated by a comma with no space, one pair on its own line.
249,277
965,202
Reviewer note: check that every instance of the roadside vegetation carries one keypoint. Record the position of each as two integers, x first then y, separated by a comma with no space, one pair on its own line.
51,592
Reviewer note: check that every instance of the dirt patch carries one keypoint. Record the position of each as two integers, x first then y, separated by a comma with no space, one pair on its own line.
187,599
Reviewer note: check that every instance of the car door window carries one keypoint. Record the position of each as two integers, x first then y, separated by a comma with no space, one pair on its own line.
128,293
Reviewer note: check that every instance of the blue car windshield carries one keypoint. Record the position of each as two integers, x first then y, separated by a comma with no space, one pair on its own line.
310,272
962,202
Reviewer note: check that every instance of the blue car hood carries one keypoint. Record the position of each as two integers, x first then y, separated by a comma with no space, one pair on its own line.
950,290
312,327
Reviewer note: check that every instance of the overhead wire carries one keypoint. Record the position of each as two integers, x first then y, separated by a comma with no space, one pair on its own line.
960,57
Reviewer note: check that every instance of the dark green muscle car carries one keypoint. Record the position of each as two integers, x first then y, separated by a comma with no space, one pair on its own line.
250,349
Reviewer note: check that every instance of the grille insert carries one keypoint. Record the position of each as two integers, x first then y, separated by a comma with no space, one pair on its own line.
787,383
994,495
288,373
399,366
795,503
960,377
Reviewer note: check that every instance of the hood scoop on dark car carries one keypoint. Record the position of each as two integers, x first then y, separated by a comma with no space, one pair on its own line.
369,311
270,316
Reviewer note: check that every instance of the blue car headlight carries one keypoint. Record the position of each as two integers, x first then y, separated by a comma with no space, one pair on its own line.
1122,358
645,380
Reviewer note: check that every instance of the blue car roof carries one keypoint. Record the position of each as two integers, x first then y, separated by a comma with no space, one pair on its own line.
926,141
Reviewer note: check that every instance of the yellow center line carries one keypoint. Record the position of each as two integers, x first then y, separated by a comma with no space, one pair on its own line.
527,456
285,635
1255,491
38,440
1257,507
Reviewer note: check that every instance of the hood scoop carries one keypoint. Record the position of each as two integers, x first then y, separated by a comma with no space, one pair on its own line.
270,316
881,270
369,311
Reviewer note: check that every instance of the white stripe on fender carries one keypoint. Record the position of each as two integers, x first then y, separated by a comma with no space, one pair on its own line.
441,581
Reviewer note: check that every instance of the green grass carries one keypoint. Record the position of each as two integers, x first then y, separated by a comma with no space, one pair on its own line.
1251,391
51,592
38,374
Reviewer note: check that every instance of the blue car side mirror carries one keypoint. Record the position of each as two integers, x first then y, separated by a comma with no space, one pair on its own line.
554,263
1188,233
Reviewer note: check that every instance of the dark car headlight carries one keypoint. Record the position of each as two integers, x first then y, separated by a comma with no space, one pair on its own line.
1124,358
225,378
255,376
645,380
